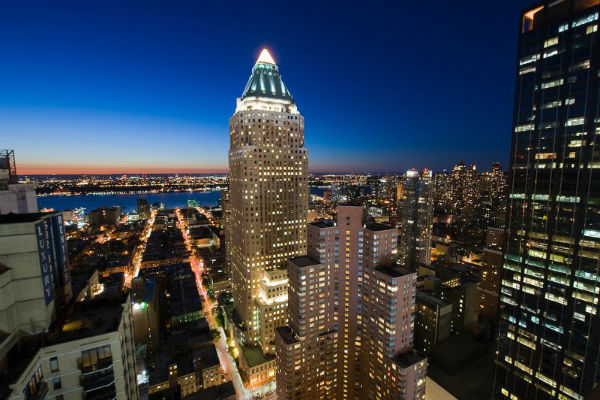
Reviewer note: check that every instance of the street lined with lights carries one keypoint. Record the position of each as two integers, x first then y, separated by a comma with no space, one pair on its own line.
227,362
136,260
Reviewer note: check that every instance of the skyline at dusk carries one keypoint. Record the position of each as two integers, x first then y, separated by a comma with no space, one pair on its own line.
315,200
120,88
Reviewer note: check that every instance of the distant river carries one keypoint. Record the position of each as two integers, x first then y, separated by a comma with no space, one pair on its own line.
128,202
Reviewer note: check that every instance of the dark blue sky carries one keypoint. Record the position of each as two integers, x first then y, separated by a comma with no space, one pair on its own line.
149,86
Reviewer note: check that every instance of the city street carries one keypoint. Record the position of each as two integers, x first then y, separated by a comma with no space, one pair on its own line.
227,362
137,257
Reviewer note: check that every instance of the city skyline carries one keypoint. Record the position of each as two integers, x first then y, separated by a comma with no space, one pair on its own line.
443,243
110,96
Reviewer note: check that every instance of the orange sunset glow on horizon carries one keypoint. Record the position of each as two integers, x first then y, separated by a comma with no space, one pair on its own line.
56,169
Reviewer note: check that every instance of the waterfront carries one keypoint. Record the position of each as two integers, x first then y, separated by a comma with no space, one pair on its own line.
128,202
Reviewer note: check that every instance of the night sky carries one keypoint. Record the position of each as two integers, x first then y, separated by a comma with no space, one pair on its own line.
146,86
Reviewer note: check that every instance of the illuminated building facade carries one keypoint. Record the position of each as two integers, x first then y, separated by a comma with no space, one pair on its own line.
549,339
104,216
143,208
489,286
433,321
474,200
493,197
145,313
390,368
307,348
457,191
267,209
416,219
351,317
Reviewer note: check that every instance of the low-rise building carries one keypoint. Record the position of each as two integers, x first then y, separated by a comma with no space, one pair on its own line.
184,300
432,322
224,391
187,360
143,208
87,353
18,198
489,287
208,366
104,216
145,312
256,367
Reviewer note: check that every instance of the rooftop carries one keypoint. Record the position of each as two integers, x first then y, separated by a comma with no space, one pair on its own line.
161,371
463,366
106,208
89,318
147,295
254,356
208,355
200,232
375,227
171,393
84,319
286,334
183,295
393,271
12,218
406,360
323,223
430,299
304,261
221,392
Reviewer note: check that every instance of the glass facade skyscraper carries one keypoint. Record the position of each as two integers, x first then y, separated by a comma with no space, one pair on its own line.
549,328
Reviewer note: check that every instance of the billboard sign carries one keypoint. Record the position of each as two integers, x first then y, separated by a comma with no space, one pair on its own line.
42,232
60,250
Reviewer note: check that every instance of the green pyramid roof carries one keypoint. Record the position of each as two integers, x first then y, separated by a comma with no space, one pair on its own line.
266,81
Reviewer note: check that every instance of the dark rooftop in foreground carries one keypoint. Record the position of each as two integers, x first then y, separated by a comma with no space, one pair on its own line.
12,218
430,299
408,359
304,261
286,334
208,355
88,318
221,392
323,223
81,320
463,366
17,360
254,355
375,227
393,270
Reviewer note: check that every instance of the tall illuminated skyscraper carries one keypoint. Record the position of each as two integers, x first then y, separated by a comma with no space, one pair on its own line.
268,204
549,339
351,317
416,219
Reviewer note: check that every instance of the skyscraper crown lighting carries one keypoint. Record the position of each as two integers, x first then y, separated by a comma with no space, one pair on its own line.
265,57
265,80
